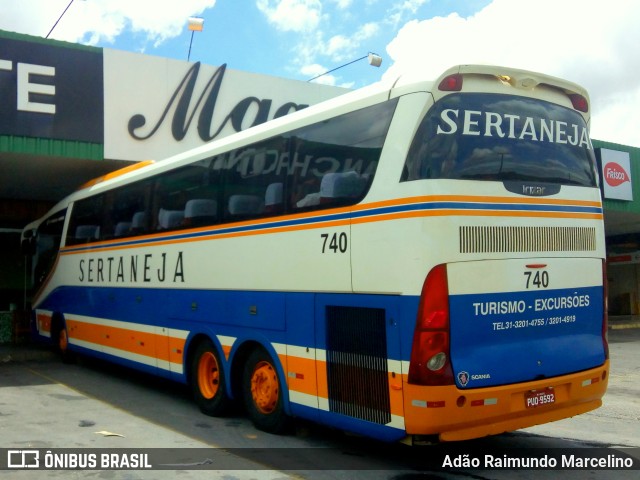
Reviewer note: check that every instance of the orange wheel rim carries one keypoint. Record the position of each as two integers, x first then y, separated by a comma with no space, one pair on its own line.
63,340
208,375
264,387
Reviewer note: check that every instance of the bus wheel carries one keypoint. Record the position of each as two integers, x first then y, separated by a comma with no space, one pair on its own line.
207,380
63,345
262,393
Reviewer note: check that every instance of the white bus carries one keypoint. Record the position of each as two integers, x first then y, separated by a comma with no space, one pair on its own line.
413,261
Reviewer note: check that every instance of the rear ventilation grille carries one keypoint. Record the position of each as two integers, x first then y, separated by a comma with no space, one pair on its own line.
357,374
527,239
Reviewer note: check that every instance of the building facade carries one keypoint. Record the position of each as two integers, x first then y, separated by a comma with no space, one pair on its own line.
620,179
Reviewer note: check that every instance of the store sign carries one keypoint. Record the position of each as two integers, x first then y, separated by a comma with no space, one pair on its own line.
158,107
52,92
615,169
624,258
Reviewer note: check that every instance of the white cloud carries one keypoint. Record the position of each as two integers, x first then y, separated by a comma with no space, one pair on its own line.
94,21
337,44
368,30
330,32
312,70
591,43
339,49
343,4
292,15
401,9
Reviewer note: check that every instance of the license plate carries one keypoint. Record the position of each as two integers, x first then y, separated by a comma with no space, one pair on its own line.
538,398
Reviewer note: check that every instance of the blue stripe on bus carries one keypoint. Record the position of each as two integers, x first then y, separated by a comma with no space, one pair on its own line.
475,206
319,219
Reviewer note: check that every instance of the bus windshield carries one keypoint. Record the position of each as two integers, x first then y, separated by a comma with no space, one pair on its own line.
485,136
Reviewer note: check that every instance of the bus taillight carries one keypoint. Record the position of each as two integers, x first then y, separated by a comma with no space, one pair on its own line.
579,102
430,361
451,83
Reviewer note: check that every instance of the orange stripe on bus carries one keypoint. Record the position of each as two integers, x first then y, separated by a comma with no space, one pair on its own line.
85,332
44,322
116,173
176,349
151,345
301,374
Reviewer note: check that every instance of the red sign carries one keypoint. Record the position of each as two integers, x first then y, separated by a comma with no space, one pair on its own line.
619,258
615,175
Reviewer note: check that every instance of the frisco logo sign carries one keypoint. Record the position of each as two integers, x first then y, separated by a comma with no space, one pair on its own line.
616,174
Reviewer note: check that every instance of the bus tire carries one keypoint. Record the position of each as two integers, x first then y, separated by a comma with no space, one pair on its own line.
262,393
208,381
61,339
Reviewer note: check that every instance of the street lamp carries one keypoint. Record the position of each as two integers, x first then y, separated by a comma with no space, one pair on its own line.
373,59
195,25
59,18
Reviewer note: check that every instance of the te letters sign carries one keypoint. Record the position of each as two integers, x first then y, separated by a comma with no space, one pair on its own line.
49,91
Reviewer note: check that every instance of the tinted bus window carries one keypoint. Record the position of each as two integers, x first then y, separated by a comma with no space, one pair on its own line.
47,244
504,138
86,220
186,197
333,162
125,211
327,164
253,179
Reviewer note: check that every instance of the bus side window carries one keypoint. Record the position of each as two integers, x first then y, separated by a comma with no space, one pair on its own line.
46,243
334,161
273,198
87,233
341,187
200,212
139,223
86,220
254,180
170,219
172,193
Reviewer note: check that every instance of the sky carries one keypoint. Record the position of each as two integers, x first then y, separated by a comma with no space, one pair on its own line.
594,44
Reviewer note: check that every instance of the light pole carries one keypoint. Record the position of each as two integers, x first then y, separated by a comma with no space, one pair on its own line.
59,18
195,25
373,59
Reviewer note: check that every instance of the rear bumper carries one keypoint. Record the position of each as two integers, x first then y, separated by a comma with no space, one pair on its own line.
455,414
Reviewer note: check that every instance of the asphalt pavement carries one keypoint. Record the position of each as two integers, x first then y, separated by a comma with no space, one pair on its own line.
37,412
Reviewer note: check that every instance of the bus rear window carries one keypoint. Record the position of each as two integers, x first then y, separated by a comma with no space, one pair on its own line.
501,138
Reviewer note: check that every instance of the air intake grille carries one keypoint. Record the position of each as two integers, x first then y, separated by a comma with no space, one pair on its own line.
526,239
357,375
